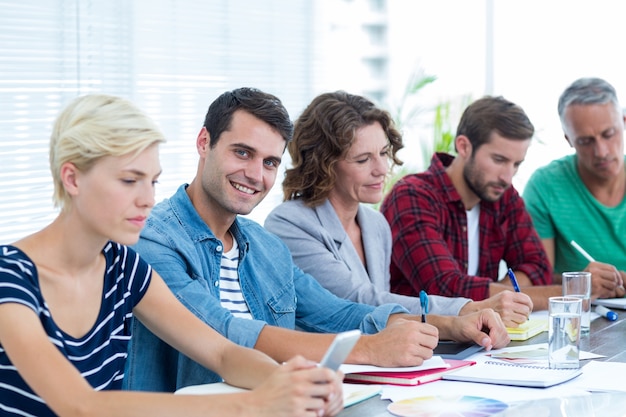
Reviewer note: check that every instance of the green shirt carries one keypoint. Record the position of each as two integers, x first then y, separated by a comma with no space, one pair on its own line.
563,209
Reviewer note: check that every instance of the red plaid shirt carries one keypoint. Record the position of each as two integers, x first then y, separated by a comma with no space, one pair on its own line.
430,250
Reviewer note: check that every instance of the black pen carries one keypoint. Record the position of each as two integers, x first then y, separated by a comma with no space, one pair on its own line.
424,304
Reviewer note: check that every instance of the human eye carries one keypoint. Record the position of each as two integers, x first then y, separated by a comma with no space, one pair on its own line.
609,134
242,153
272,163
129,180
584,141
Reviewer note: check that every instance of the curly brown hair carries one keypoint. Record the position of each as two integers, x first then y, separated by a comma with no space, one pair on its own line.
323,134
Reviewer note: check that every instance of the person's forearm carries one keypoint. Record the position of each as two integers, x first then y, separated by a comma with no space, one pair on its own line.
283,344
131,403
540,295
244,367
471,307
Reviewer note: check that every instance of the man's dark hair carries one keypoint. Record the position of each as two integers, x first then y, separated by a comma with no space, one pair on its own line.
494,114
263,106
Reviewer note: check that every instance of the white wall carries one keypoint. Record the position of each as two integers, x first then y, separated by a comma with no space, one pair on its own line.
539,47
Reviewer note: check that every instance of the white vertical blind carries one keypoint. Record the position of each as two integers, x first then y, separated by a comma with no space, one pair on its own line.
171,57
51,52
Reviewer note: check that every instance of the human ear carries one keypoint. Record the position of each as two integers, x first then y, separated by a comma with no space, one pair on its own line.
203,142
463,146
69,178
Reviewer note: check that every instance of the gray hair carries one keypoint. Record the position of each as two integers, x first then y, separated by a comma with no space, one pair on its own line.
587,91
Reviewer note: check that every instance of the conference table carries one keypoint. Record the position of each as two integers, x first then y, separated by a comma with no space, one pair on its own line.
607,338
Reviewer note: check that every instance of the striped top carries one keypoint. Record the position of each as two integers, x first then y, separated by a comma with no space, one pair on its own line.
99,355
231,296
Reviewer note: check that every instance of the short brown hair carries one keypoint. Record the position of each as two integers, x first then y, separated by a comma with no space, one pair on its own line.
494,114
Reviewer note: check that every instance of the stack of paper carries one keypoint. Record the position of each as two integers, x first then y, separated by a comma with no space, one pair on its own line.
432,370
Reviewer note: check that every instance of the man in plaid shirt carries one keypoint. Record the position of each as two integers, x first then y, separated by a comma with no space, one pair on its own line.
455,222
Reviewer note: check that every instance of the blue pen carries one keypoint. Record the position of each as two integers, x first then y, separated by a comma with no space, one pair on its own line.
605,312
513,279
424,304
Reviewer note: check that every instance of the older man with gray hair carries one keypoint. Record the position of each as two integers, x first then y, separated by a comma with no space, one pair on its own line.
580,197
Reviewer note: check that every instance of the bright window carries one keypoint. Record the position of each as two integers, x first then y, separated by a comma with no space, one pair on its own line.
171,58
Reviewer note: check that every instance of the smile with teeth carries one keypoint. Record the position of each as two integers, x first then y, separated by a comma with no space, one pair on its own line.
243,189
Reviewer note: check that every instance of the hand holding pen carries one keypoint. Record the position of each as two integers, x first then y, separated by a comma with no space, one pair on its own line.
602,272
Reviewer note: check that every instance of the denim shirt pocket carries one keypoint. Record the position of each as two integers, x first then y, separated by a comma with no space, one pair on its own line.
282,306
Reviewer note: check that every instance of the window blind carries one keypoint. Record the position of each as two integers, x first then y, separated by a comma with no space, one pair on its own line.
172,58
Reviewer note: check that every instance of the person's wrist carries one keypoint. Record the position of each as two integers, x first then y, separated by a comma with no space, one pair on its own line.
470,307
445,325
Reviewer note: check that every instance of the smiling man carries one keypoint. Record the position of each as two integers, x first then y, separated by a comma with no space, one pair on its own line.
241,279
585,188
452,224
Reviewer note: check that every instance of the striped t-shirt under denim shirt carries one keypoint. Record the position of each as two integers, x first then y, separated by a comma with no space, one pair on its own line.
100,354
231,296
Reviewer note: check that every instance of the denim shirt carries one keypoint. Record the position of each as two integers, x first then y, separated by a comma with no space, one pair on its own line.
183,250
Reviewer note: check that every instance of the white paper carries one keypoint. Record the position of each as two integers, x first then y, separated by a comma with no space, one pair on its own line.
533,351
352,393
601,376
502,393
432,363
596,376
619,303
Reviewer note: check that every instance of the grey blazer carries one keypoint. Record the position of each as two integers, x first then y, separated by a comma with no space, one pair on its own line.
321,247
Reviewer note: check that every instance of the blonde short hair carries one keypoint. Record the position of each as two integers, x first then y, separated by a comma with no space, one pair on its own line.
94,126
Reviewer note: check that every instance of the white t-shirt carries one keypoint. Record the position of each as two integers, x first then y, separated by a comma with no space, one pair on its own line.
473,239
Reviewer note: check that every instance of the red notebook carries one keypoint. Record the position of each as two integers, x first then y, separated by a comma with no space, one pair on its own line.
407,378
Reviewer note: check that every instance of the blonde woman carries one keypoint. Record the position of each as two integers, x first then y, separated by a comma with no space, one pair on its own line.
69,291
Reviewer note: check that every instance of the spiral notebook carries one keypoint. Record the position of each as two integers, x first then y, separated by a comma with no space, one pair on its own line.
502,373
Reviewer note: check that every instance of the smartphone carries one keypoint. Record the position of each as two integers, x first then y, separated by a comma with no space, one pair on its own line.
339,350
456,350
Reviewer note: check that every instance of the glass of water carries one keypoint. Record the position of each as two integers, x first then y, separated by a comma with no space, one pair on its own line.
578,284
564,332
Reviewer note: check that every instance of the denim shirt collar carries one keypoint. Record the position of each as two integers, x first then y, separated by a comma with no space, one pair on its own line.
196,228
